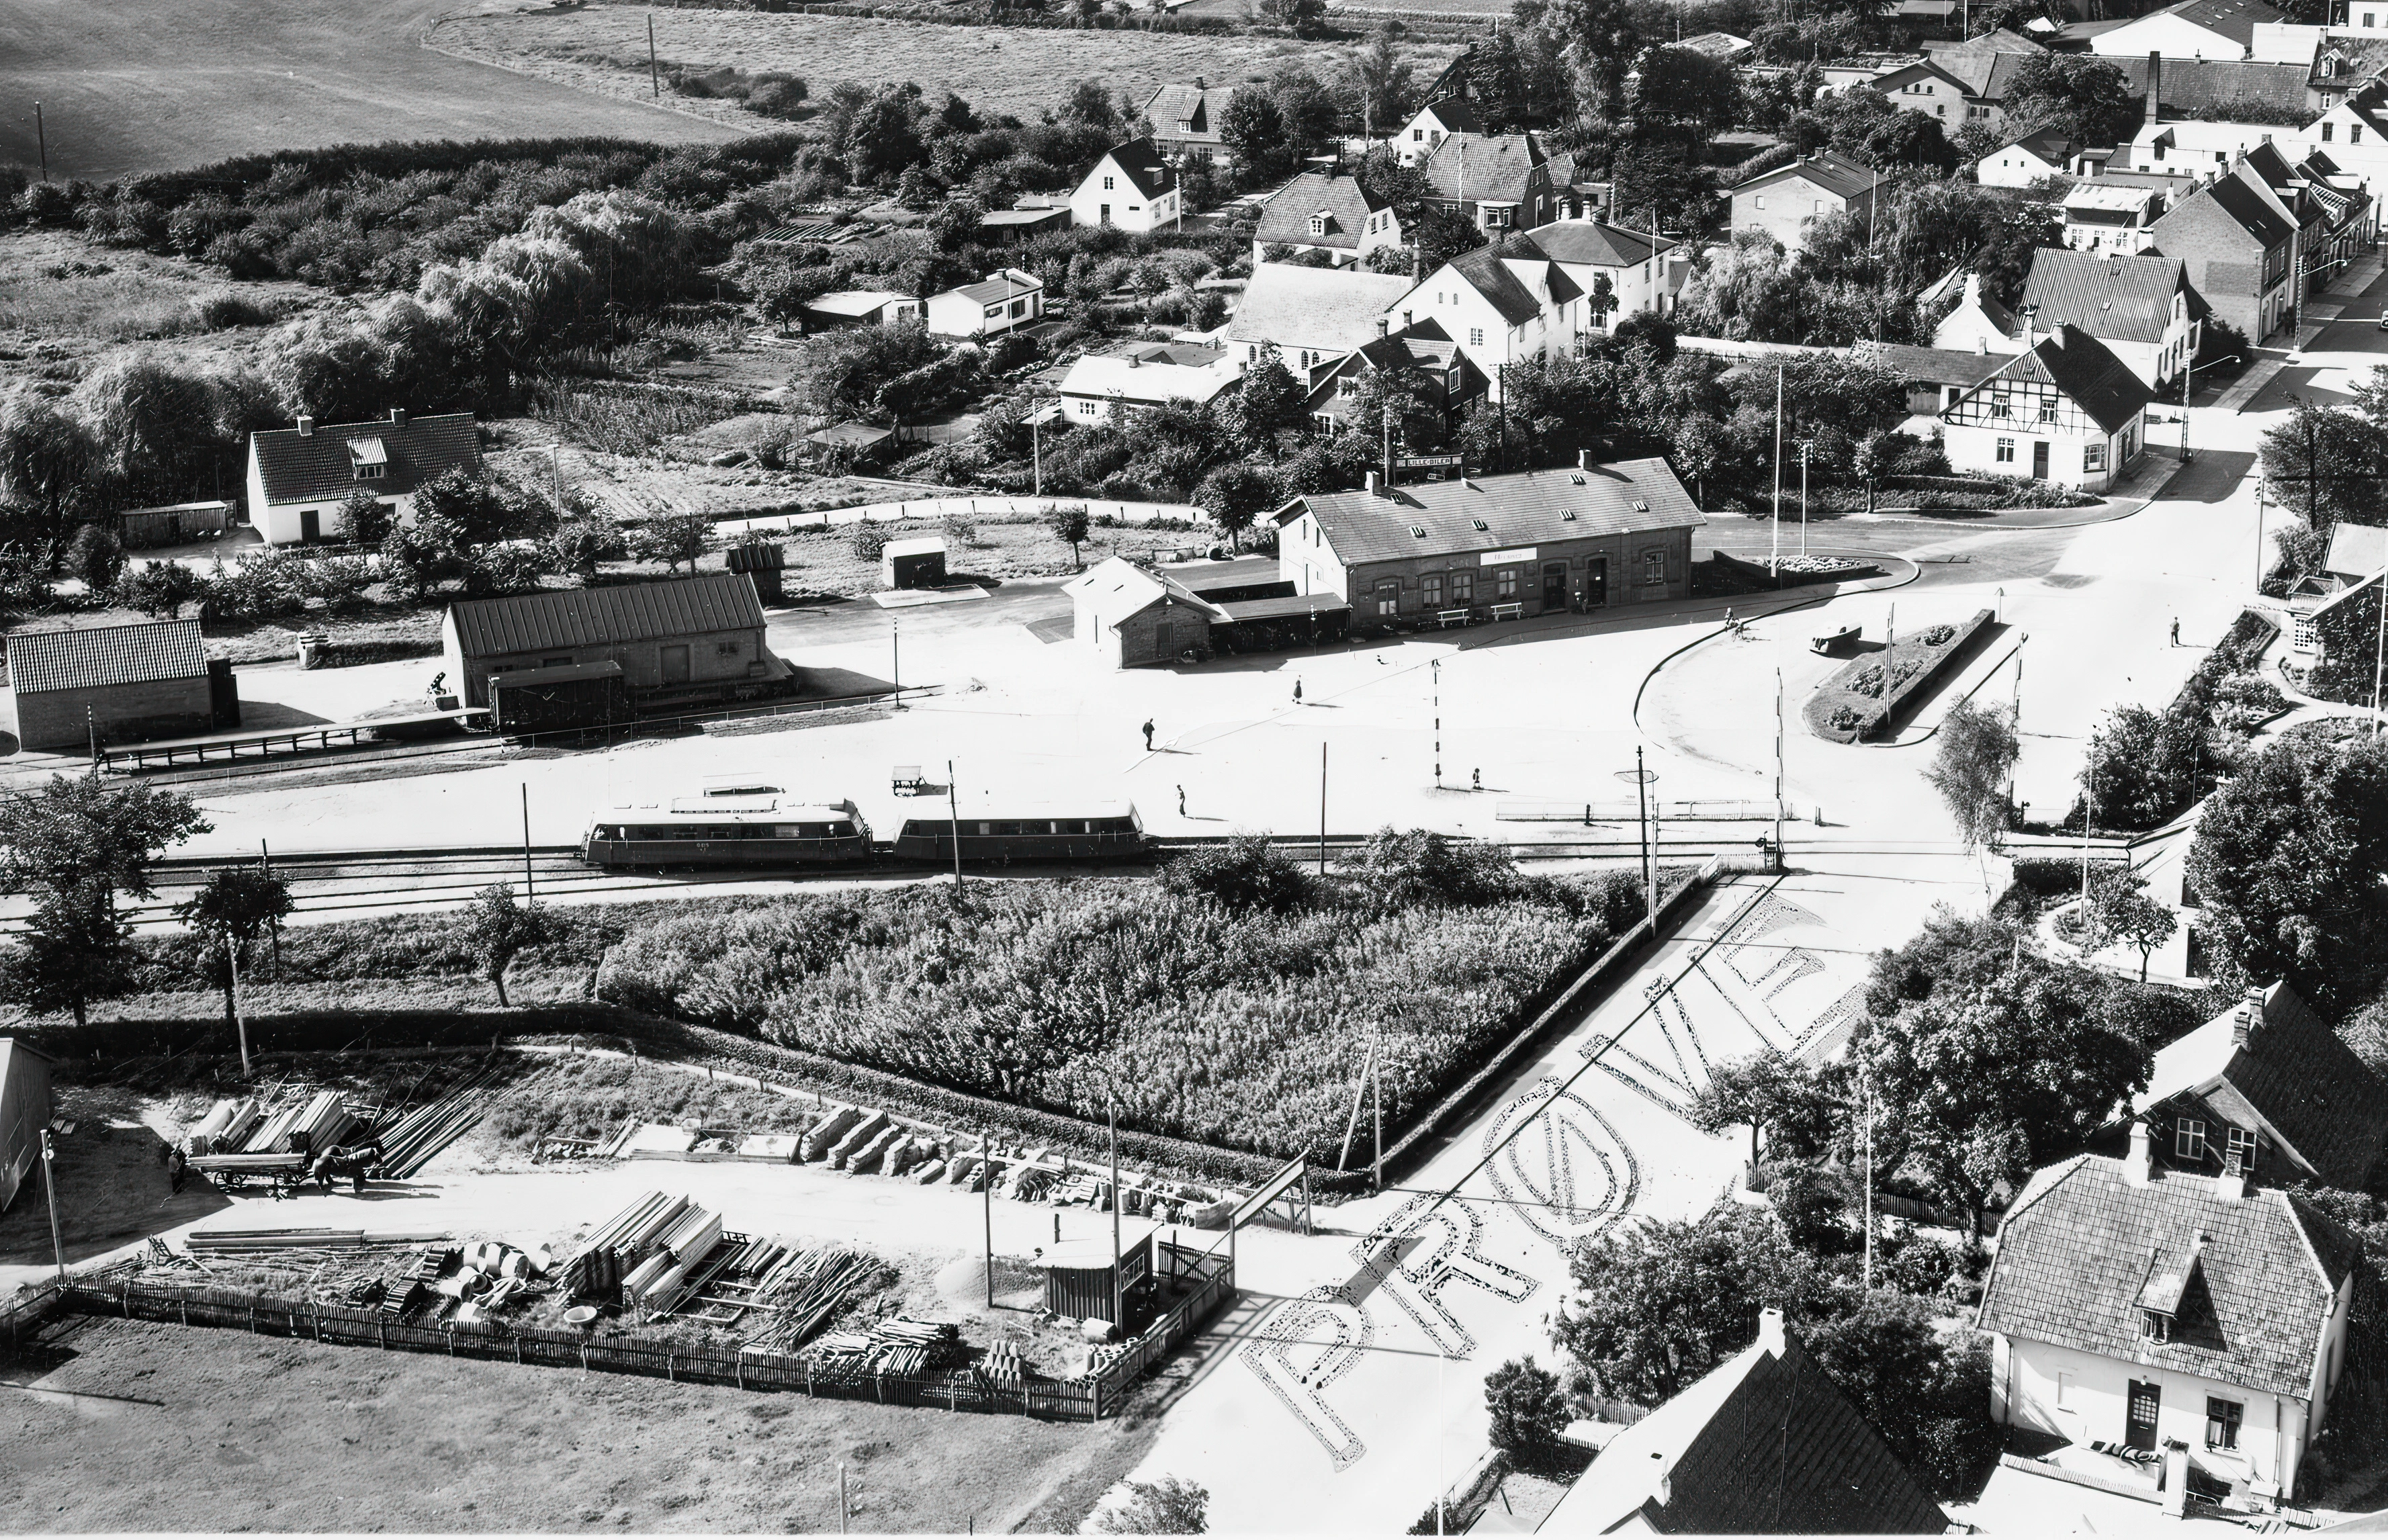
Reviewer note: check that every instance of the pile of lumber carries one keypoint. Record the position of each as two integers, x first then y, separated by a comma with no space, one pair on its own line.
646,1253
316,1124
212,1243
413,1142
897,1345
804,1290
226,1128
657,1283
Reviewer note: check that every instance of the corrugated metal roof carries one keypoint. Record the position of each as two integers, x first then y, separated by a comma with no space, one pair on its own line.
322,466
2105,293
588,617
1528,507
40,662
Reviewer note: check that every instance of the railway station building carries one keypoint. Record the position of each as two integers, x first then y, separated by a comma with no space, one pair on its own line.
113,684
698,636
1597,536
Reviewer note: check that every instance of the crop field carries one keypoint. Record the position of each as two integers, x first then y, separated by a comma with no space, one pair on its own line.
128,1425
1019,70
132,88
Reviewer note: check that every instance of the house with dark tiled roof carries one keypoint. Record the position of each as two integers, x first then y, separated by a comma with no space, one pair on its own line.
298,477
1534,542
1763,1443
2151,1315
1503,303
1132,186
2141,307
1310,316
1323,211
1935,377
1928,88
1977,323
1635,270
1185,118
1497,181
2030,160
2236,246
114,684
1443,379
683,636
2065,409
1785,202
2267,1090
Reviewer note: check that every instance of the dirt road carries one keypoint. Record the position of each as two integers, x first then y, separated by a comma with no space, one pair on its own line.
148,87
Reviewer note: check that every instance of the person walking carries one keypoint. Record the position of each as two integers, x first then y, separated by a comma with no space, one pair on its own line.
1181,802
1476,780
2176,631
1147,735
177,1166
1297,692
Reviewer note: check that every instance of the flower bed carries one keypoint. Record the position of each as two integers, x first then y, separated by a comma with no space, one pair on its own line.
1871,690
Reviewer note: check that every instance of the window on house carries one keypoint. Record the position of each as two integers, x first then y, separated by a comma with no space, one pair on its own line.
1998,406
1085,409
1107,184
1463,588
2327,131
2094,456
2222,1418
2006,452
2048,409
2355,133
2189,1139
1654,566
371,472
2065,1391
1505,583
1389,596
2239,1145
1430,590
1417,136
2156,1325
1760,201
1475,336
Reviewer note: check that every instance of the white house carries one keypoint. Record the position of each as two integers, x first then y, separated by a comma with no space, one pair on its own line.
2178,1314
2065,409
1004,301
1098,388
2140,307
1325,212
1434,122
1501,305
2354,135
1785,202
1131,187
2026,161
1644,273
1979,323
2116,218
841,308
298,477
1311,316
1925,88
2193,29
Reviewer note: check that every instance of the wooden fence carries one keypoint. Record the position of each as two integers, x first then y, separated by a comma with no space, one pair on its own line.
1085,1399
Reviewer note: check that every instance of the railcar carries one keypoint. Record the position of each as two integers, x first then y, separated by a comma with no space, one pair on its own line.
729,831
1102,831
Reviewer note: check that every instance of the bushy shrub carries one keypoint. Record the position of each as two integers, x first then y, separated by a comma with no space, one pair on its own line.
1938,635
1246,874
867,540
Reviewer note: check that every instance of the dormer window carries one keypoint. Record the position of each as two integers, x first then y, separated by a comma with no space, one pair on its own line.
1479,524
368,459
2189,1139
2156,1325
1318,224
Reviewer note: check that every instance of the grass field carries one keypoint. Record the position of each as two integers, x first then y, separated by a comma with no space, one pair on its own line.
131,88
132,1425
1019,70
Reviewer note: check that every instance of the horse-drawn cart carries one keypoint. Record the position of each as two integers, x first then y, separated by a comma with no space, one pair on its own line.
284,1173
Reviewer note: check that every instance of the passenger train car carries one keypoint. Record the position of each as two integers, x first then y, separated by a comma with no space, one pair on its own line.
1096,832
719,830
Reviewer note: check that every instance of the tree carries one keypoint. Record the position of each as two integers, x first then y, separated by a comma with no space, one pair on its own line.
675,538
1311,114
1772,1092
2289,862
1248,875
2083,97
1997,1061
498,930
883,138
1686,86
1970,769
1381,80
77,835
74,950
955,224
2326,465
51,473
1529,1410
365,519
1927,1393
1253,130
582,543
1170,1506
234,906
1235,494
2121,911
1270,399
1658,1304
158,588
1600,42
97,556
1301,16
1068,521
1440,233
2143,768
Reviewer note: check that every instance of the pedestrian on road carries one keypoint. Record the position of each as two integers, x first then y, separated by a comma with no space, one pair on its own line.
1147,735
2176,631
1476,780
1297,692
177,1164
1181,802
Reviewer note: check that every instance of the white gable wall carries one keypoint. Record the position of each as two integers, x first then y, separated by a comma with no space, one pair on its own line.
1107,195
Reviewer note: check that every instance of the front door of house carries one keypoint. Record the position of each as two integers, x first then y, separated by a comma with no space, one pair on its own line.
2140,1425
1554,587
676,663
311,526
2039,459
1595,583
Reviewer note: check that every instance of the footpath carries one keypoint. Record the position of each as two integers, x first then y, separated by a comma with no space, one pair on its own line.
2321,312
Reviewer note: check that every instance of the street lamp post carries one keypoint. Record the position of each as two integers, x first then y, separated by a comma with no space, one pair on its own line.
2188,373
50,1185
1642,778
1805,445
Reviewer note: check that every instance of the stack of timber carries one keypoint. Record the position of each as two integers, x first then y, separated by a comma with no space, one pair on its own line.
318,1123
233,1242
226,1128
898,1345
646,1254
411,1145
804,1290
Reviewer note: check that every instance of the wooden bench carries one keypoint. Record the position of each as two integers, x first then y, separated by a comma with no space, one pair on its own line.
1513,611
1455,617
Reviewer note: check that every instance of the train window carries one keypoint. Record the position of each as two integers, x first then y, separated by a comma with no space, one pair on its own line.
988,827
840,831
1070,825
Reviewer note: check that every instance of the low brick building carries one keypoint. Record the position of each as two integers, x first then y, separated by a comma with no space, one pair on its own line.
690,634
1534,542
1126,615
119,682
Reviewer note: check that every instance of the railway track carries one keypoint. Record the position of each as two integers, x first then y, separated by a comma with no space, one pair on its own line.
330,885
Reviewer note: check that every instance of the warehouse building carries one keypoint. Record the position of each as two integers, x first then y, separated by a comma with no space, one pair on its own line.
699,636
24,1113
300,477
1127,616
116,683
1496,547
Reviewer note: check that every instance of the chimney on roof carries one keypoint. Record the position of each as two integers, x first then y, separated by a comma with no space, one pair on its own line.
1770,1332
2135,1165
1134,362
306,426
2243,1019
2056,333
1199,85
1981,345
1384,326
1583,459
1405,321
2155,84
398,416
1374,487
2030,336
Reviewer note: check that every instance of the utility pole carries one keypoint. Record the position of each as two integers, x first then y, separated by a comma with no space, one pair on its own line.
529,891
954,812
2379,645
1642,779
239,1017
655,84
50,1185
895,640
1779,781
1804,445
987,1192
1434,670
1376,1093
1119,1290
1774,555
42,137
1322,810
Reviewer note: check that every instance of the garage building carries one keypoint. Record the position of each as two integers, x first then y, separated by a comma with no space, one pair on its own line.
123,682
695,635
24,1113
1536,542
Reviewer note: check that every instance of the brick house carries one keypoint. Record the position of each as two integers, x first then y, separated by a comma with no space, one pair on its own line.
122,682
1127,616
1534,542
1785,202
2236,247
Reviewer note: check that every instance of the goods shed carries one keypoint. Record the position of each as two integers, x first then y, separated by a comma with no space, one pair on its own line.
24,1113
690,636
116,683
1127,616
572,699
